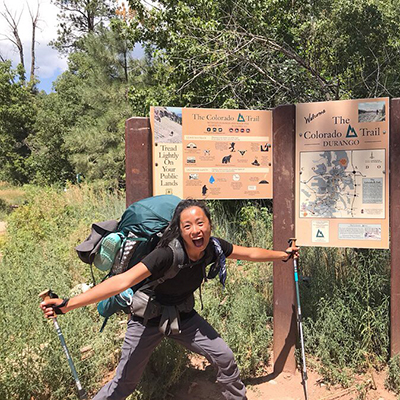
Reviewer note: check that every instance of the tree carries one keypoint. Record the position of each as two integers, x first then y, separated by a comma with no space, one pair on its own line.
363,57
81,128
17,115
35,21
262,53
78,18
12,20
96,142
49,161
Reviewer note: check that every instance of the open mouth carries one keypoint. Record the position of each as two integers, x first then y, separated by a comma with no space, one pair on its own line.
198,242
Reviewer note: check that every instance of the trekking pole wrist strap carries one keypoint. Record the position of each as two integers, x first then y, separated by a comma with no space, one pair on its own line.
57,309
290,255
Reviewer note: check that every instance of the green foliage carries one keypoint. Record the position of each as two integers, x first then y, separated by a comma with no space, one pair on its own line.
78,18
96,141
38,254
17,113
242,316
248,223
165,370
347,309
10,197
38,251
81,127
360,57
242,313
261,53
5,209
392,381
49,160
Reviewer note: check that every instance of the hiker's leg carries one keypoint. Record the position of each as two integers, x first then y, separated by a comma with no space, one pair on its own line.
199,336
138,345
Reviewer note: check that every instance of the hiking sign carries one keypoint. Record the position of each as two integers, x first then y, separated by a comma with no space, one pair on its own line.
342,173
212,153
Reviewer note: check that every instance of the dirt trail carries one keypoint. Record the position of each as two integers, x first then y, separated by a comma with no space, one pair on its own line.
202,386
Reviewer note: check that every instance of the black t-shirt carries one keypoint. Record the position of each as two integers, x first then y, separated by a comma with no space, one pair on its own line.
176,290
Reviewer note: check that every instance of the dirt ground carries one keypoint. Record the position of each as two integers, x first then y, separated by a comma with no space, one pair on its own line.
202,386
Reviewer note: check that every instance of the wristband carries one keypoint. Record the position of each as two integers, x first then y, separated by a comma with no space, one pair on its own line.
57,309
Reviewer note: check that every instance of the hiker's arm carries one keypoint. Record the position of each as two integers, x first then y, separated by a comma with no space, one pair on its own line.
110,287
262,255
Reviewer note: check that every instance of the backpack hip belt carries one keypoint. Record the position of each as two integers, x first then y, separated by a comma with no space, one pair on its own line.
145,306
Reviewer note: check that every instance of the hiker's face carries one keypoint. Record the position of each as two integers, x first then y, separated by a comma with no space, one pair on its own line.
195,229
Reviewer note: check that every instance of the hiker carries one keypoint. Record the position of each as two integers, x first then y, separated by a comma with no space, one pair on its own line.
190,228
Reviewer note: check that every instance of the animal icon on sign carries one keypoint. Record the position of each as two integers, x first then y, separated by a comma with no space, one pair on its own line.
226,159
242,152
265,147
206,152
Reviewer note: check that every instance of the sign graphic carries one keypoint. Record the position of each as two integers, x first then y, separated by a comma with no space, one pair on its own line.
342,173
320,231
342,184
212,154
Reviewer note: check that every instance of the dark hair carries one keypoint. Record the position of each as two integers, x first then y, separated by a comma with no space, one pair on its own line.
173,229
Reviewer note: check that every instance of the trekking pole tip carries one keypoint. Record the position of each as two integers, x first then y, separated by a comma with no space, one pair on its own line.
82,394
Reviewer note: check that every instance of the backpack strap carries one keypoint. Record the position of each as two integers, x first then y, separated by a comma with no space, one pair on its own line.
170,315
129,244
176,266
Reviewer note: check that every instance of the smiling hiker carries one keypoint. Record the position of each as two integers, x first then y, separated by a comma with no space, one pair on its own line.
163,306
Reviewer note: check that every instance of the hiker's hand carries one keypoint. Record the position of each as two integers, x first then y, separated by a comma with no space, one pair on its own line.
293,252
51,307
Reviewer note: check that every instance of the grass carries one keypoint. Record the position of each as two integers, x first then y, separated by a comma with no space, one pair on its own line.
345,304
10,197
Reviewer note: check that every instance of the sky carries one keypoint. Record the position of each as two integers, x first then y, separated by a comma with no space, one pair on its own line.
49,62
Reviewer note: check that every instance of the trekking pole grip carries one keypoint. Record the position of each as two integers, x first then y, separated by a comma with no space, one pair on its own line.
45,295
292,242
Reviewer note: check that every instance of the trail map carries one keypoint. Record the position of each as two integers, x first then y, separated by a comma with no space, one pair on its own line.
342,184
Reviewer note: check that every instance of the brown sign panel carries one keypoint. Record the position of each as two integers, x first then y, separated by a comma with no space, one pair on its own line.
211,153
342,173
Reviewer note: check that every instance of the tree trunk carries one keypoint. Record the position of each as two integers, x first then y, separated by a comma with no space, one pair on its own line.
13,22
34,26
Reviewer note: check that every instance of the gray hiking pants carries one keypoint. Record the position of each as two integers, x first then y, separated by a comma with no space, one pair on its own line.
196,335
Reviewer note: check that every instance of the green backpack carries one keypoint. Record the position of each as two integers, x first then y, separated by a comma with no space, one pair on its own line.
137,234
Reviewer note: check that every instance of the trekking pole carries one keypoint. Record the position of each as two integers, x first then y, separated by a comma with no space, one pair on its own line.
48,294
292,242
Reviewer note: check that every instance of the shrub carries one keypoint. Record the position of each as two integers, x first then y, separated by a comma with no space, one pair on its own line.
241,314
345,305
347,309
392,381
38,254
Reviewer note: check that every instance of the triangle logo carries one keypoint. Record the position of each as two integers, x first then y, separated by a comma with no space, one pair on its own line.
319,234
351,132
